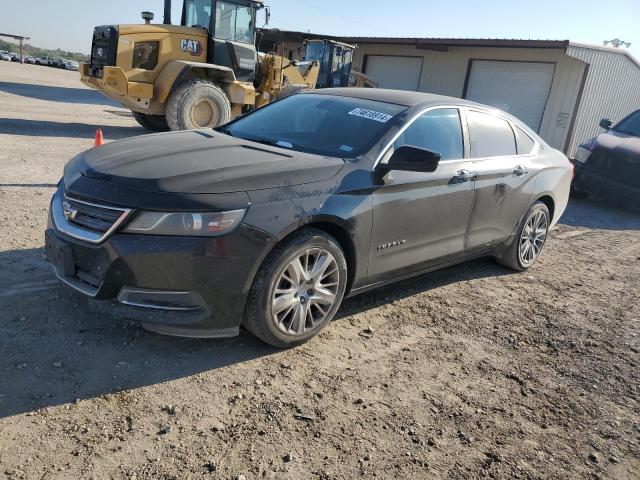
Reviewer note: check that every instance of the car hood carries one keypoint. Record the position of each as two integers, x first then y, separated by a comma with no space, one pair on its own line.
622,143
200,161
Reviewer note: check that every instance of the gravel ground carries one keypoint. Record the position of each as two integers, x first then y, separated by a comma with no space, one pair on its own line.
470,372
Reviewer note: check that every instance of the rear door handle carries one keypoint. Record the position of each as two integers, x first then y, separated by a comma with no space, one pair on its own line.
462,176
520,170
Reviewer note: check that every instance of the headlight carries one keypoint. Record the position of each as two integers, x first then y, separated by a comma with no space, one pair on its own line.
212,224
582,154
145,55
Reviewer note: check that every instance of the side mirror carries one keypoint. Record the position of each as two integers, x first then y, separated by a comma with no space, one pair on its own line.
413,159
605,123
267,15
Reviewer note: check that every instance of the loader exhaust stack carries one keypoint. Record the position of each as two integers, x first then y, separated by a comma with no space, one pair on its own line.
167,12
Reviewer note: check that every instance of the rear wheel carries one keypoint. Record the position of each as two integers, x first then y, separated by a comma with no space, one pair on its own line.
530,239
198,104
153,123
297,290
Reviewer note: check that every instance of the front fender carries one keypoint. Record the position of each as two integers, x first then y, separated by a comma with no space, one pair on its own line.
176,71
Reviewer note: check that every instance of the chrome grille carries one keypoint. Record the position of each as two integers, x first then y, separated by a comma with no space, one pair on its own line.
84,220
94,217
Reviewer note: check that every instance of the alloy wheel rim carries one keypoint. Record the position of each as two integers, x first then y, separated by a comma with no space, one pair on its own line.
533,237
305,292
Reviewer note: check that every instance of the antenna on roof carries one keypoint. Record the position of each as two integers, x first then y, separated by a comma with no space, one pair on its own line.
616,43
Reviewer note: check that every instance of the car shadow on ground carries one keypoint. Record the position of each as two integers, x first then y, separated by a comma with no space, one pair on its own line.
600,214
57,94
55,348
41,128
481,268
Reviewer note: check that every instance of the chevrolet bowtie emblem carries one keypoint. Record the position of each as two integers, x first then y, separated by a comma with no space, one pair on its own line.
68,211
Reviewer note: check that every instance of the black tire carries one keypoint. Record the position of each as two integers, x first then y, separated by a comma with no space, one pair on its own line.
512,257
153,123
198,104
259,318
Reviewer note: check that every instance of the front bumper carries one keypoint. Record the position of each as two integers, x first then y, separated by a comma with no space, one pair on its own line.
186,286
589,181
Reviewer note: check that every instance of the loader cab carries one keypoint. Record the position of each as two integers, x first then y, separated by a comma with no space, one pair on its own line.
232,30
335,62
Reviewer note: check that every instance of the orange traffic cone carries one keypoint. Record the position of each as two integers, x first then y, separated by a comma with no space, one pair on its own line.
99,138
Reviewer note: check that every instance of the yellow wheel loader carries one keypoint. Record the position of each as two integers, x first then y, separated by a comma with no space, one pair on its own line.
201,73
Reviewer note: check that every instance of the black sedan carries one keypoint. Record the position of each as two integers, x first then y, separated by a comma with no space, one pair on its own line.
609,164
270,221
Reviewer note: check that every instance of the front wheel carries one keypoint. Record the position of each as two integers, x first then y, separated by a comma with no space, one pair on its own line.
198,104
297,290
530,238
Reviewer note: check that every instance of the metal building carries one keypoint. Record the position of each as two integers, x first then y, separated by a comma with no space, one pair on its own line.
561,89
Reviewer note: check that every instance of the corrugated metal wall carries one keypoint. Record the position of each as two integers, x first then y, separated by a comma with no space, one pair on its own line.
444,73
612,90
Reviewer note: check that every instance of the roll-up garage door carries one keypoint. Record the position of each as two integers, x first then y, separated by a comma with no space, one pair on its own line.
520,88
400,73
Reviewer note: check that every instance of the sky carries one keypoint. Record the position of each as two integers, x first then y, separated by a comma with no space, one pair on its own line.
68,24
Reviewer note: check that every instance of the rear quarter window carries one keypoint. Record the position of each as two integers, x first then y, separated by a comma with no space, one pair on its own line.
524,142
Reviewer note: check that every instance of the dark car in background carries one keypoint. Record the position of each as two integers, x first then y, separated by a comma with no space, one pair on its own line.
270,220
609,164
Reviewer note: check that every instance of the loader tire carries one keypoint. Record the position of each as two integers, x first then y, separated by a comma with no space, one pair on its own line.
198,104
153,123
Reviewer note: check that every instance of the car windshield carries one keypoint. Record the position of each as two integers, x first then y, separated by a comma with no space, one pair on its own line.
630,125
322,124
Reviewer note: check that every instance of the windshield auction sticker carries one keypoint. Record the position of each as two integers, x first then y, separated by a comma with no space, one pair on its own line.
371,115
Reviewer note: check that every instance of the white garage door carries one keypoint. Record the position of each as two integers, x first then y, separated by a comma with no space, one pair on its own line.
400,73
520,88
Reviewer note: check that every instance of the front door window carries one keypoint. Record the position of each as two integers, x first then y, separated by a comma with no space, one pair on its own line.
437,130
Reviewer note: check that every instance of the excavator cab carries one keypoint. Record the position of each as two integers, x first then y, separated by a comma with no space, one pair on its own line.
335,61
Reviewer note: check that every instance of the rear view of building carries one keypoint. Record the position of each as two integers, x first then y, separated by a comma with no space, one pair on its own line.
559,88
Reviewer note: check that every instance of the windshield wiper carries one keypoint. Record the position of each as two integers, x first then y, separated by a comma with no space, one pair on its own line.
274,143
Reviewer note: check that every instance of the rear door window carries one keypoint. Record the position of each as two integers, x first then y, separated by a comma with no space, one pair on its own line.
491,136
436,130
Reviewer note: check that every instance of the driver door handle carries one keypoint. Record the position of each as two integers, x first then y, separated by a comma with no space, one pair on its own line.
520,170
462,176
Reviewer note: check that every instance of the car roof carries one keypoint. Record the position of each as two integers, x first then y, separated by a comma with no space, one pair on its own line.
418,99
399,97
